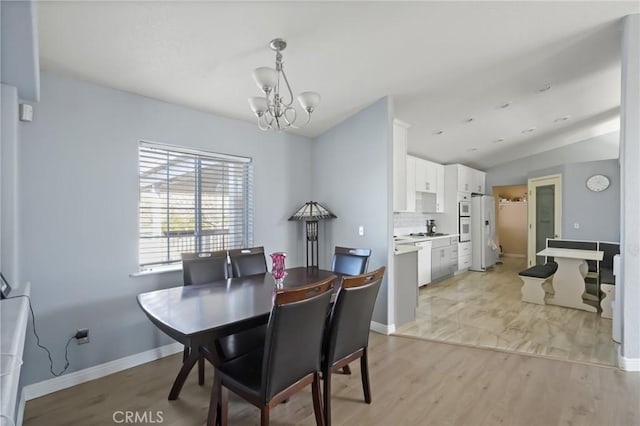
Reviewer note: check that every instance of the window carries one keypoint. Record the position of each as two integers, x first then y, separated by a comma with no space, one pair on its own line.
191,201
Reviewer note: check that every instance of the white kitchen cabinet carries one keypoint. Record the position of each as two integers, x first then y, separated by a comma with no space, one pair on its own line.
410,184
464,178
464,255
470,180
478,181
428,184
400,191
424,263
426,176
440,188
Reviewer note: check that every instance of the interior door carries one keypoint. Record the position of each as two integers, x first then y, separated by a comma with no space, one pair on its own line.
545,214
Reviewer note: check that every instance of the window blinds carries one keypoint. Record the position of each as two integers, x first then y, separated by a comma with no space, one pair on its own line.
191,201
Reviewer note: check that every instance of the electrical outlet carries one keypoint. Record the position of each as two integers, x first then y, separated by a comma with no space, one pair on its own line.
361,231
82,335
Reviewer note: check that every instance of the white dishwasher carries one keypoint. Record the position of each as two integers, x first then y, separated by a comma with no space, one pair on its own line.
424,262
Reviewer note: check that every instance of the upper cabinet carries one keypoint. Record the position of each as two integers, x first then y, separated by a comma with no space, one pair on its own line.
418,184
426,175
400,139
470,180
477,181
428,186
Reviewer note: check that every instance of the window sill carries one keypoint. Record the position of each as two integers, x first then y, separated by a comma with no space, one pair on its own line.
156,270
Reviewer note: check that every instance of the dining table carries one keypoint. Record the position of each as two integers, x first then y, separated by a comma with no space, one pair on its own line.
196,315
568,281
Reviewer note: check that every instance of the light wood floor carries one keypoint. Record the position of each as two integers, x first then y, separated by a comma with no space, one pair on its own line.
414,382
485,309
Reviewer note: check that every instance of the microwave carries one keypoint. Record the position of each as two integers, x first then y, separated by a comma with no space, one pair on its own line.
464,209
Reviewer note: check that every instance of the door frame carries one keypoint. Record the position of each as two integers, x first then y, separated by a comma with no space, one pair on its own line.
533,183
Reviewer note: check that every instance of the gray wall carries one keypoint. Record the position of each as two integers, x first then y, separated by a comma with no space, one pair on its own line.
597,213
19,46
515,172
9,184
578,202
78,177
351,176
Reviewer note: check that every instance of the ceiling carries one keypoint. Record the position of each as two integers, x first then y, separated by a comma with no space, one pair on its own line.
442,62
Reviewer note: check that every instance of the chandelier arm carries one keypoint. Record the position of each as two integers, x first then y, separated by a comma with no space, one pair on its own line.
262,127
305,123
294,118
284,76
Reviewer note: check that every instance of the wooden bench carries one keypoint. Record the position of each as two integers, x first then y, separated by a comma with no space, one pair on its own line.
607,280
533,278
599,279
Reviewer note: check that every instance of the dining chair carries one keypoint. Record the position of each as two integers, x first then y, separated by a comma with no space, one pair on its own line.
248,261
289,360
202,268
347,332
350,261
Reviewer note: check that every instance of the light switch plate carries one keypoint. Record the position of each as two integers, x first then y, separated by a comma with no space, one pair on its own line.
26,112
361,231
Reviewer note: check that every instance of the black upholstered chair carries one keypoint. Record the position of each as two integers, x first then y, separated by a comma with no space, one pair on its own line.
347,332
350,261
202,268
289,360
248,261
205,267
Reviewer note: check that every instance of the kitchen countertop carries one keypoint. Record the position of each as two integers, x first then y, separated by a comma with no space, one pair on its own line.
407,239
405,248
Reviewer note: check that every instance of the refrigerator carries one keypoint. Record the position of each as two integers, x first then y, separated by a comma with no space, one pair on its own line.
484,249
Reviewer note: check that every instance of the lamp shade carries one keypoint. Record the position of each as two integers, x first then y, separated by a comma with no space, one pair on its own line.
258,105
266,78
312,210
309,100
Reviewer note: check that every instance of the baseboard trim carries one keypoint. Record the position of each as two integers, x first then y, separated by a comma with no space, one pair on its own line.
382,328
628,364
55,384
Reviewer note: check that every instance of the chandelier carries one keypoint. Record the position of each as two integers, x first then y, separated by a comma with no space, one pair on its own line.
274,110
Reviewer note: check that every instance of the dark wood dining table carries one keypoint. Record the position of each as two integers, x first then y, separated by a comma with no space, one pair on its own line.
196,315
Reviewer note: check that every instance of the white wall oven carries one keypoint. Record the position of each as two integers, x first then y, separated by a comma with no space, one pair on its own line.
465,228
464,209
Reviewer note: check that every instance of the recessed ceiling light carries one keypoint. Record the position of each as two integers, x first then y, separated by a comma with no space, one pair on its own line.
469,120
544,88
565,118
505,105
529,130
499,140
472,149
438,132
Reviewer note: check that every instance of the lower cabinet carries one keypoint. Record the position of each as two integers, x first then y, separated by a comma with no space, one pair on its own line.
464,255
444,258
424,263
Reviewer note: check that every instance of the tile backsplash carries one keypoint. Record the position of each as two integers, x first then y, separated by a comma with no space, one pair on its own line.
406,223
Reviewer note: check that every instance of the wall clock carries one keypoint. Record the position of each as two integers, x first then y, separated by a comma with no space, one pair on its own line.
598,183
